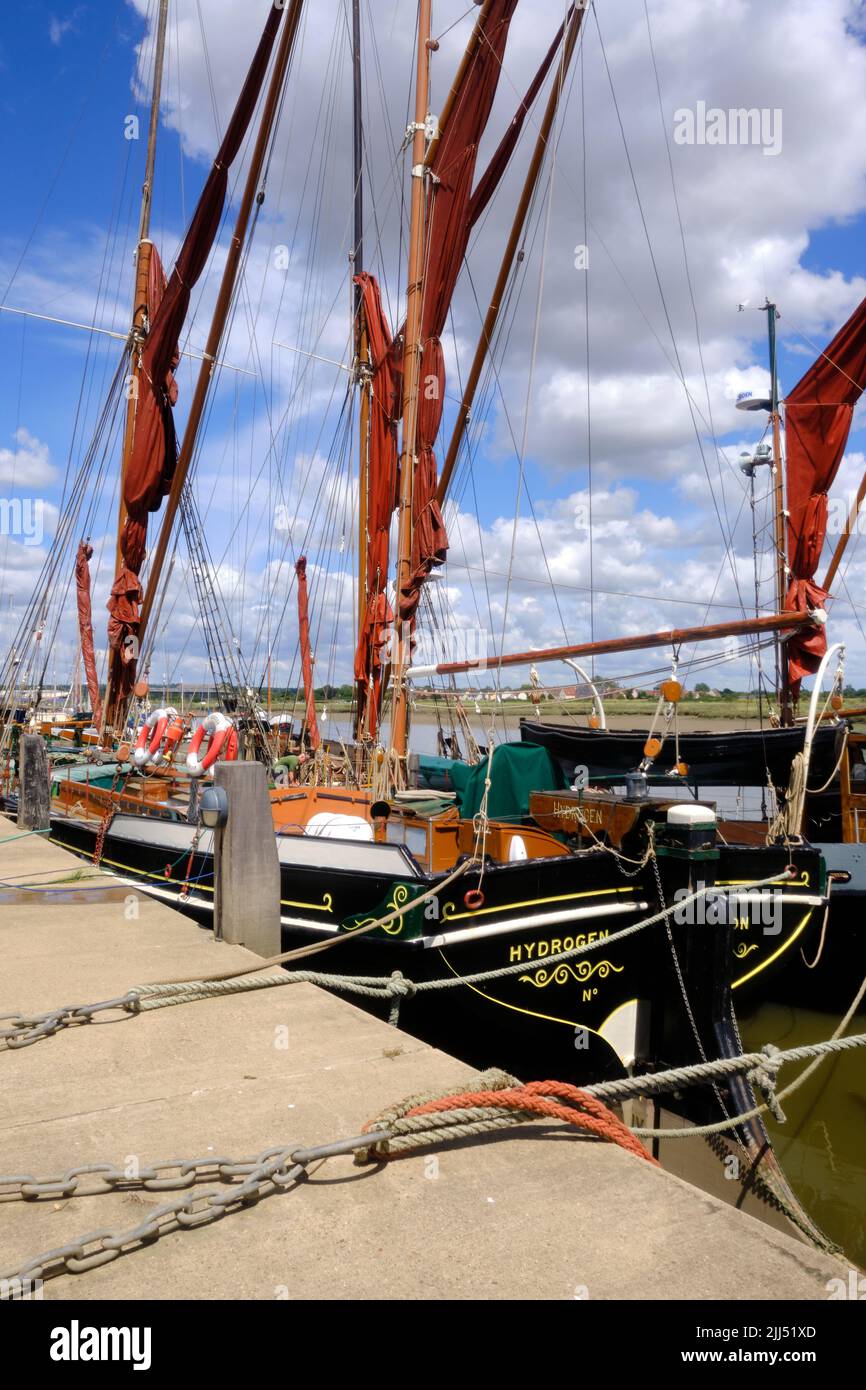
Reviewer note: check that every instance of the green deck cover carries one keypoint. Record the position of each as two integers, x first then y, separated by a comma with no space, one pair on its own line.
516,770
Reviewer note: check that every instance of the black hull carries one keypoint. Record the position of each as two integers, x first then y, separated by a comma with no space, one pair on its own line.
713,759
582,1020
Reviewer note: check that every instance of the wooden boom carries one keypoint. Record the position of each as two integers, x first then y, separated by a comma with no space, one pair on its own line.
775,622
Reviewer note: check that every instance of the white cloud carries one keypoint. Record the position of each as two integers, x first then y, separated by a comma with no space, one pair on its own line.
28,466
748,224
59,28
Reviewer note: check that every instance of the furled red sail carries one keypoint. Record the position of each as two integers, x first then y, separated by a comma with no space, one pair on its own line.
449,223
85,628
453,209
382,498
487,184
817,422
153,456
306,652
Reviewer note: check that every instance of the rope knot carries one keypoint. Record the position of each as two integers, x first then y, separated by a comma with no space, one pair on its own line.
765,1076
398,988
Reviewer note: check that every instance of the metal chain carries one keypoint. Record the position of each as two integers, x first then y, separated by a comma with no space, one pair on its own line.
29,1028
183,896
688,1007
99,844
272,1171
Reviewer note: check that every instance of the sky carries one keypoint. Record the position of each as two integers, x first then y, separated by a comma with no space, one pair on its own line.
604,445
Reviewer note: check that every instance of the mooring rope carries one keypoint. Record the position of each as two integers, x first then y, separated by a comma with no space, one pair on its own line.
397,985
25,1029
416,1121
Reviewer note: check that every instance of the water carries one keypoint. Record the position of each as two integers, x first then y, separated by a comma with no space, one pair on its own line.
822,1145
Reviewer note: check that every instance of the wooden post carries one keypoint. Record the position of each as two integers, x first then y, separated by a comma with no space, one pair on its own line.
246,866
34,796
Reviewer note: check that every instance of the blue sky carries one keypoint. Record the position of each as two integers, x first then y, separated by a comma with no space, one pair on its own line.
791,227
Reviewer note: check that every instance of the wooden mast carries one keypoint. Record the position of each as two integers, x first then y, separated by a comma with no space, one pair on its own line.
142,267
362,347
510,252
221,310
445,113
411,378
850,525
782,683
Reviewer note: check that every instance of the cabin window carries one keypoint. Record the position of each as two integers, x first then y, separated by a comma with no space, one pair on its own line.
414,837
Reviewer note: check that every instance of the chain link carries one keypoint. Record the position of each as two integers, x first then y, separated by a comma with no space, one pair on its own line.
688,1007
273,1170
29,1028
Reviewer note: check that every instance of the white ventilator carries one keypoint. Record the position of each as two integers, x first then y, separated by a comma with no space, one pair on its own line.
332,825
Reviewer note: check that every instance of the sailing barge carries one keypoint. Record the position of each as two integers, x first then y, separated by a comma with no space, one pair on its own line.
568,864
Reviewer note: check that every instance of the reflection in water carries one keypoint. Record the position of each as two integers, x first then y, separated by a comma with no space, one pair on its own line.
821,1146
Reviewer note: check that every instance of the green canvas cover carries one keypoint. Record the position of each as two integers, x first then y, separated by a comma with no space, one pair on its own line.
516,770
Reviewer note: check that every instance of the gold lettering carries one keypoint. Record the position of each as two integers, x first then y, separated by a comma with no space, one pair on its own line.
516,953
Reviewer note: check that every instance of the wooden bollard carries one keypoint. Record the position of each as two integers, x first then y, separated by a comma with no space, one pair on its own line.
34,794
246,866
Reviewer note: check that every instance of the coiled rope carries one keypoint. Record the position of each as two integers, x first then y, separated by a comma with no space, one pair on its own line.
499,1102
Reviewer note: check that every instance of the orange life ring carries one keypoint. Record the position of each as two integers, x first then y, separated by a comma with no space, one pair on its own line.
150,737
221,739
473,899
173,736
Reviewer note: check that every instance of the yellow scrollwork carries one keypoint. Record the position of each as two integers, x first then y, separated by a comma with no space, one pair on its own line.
581,971
326,905
398,899
744,948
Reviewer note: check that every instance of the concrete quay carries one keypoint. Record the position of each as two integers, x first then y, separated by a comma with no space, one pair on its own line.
540,1213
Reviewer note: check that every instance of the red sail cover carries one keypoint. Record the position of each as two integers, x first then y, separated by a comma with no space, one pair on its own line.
85,628
306,652
152,460
382,498
449,223
817,421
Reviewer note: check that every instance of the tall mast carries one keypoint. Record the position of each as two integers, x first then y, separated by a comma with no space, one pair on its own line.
851,528
411,379
510,252
362,350
142,262
221,311
782,685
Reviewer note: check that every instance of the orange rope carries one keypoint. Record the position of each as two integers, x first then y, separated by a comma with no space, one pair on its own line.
584,1111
